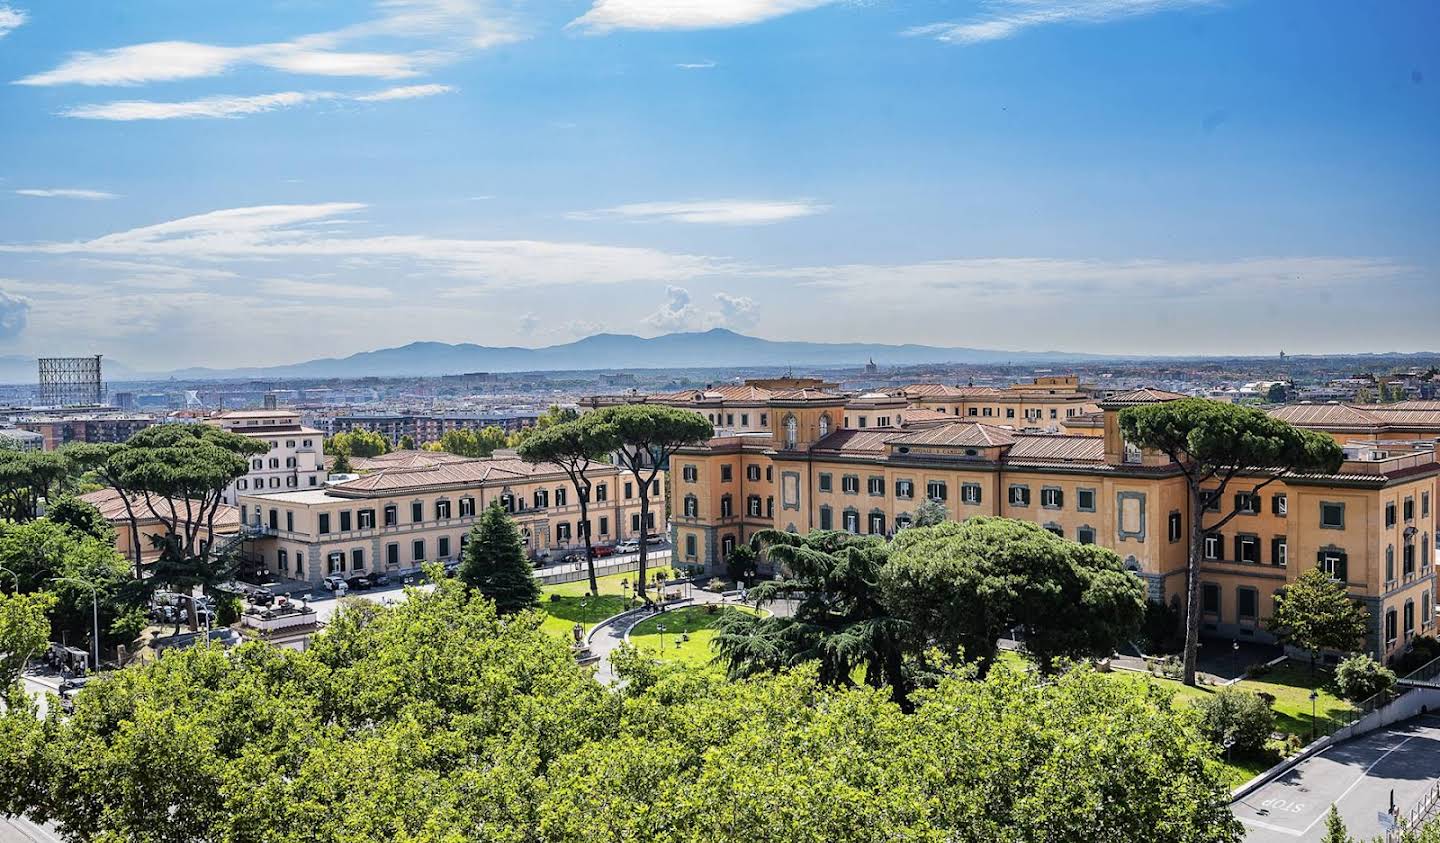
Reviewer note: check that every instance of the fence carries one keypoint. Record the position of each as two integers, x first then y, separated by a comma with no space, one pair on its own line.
580,571
1416,816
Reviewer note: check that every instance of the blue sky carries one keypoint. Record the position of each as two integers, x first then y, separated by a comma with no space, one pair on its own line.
187,183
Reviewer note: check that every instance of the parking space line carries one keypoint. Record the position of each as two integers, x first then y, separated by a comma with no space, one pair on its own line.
1356,783
1268,827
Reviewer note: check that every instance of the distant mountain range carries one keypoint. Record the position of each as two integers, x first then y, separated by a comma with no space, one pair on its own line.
690,350
713,348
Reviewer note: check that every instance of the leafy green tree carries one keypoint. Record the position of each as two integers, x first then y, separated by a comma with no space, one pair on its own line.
1335,831
1241,719
1216,443
407,442
81,516
960,586
24,631
340,464
1315,613
574,446
740,565
838,620
929,513
648,434
25,478
555,415
495,563
1360,677
49,557
1277,393
357,443
466,442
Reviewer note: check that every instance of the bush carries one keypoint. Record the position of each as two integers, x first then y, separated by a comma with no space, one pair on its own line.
1423,649
1239,716
1257,670
228,610
1360,677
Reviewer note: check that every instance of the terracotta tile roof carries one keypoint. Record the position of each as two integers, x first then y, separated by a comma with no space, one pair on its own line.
1322,415
112,507
405,459
855,442
959,434
941,390
1143,395
468,472
917,416
1053,449
1423,404
806,394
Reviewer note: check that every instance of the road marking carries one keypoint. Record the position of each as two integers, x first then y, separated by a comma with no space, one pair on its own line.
1363,777
1268,827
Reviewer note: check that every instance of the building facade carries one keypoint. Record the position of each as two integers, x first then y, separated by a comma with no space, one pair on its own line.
398,517
56,431
296,458
1372,525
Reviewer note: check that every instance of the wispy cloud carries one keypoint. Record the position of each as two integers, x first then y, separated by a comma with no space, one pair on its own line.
696,65
207,107
65,193
718,211
405,92
272,232
323,290
427,33
1005,18
11,19
607,15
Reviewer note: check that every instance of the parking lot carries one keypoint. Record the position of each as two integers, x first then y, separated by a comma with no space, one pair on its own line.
1358,776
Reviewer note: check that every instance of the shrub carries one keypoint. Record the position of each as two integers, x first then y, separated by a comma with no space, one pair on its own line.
1239,716
228,610
1258,669
554,598
1360,677
1161,628
1268,697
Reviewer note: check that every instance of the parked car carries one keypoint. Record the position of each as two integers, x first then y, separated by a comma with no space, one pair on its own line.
360,582
381,579
604,550
628,546
333,581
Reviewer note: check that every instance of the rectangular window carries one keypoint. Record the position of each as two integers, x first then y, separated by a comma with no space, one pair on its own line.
417,512
629,489
1085,500
689,474
561,496
392,554
905,489
752,506
1210,499
442,510
290,521
935,490
726,473
1247,605
417,550
1210,599
1086,535
1247,503
443,546
1176,527
366,518
604,525
1279,551
357,559
877,524
1280,505
1247,549
391,516
852,521
1424,504
752,473
826,483
970,493
345,525
1214,546
876,486
827,518
1409,509
467,507
1390,514
1332,515
1019,495
850,484
689,547
1052,498
1408,560
1333,562
324,523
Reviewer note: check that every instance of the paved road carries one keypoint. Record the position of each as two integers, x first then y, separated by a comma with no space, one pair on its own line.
21,830
1358,776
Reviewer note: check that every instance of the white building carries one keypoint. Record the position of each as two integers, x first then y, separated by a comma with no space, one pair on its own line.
296,458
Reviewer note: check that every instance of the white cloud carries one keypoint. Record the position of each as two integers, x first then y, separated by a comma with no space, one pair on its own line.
1015,280
14,314
528,323
607,15
696,65
739,313
405,93
202,108
66,193
1004,18
720,211
431,32
323,290
11,19
272,232
676,313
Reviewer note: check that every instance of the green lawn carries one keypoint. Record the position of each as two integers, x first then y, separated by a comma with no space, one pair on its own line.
693,622
575,605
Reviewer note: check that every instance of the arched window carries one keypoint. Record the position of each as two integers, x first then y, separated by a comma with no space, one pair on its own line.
792,431
824,425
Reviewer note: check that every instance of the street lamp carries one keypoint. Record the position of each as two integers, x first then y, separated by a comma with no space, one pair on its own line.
95,613
1314,695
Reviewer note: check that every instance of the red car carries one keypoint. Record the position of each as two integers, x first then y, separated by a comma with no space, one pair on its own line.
603,550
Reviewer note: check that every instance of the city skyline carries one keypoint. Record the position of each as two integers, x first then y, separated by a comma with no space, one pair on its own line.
185,187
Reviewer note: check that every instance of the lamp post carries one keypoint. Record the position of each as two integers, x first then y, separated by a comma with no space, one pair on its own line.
1314,695
95,613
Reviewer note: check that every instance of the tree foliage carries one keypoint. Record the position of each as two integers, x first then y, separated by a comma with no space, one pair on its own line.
929,513
495,564
340,464
81,516
357,443
1215,443
574,446
467,442
1360,677
1314,612
24,632
648,434
47,556
1241,719
438,720
25,478
961,585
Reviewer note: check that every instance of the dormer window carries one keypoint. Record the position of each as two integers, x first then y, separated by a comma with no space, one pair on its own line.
792,431
824,426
